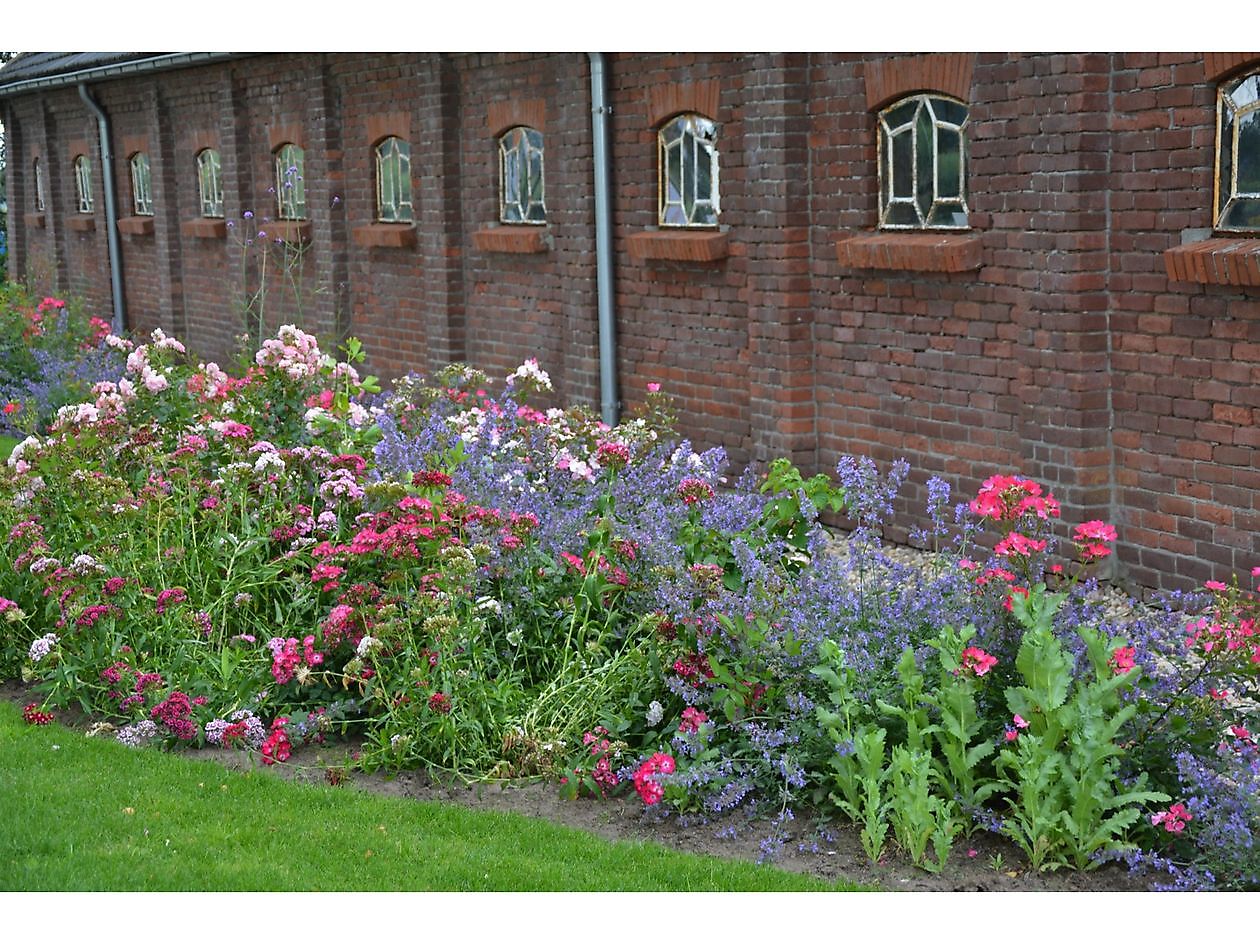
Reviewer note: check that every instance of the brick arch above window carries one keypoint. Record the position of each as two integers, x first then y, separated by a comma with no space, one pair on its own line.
279,135
382,125
890,79
503,116
1218,66
701,97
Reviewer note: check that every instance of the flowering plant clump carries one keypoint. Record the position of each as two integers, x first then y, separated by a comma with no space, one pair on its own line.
500,587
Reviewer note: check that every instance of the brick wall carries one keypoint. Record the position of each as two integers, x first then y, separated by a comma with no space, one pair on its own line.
1076,333
1185,358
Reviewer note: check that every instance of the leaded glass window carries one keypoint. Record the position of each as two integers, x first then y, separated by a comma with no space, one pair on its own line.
1238,154
210,183
83,183
393,181
923,164
521,176
688,169
39,186
290,188
141,185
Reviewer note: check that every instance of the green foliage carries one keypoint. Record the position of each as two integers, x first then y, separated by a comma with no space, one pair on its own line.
959,731
783,516
1069,801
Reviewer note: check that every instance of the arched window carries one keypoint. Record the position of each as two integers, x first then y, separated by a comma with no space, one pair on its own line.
1238,153
923,164
83,183
141,185
521,176
688,172
210,183
290,188
393,181
39,186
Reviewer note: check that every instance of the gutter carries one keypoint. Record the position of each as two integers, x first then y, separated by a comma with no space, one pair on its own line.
111,209
600,110
116,70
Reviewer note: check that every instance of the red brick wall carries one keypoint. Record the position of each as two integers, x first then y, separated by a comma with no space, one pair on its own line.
1185,356
1068,353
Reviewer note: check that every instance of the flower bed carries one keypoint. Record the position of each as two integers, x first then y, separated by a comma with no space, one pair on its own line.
473,581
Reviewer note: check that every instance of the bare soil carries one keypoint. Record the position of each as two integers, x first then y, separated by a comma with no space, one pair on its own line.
829,851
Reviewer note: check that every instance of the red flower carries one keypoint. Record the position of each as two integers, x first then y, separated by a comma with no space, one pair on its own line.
440,702
692,719
645,778
1122,659
33,716
977,661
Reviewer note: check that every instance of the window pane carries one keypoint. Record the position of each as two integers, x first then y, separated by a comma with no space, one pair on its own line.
925,147
898,115
535,175
952,112
673,193
1247,91
948,213
1242,214
1249,153
948,163
1225,159
903,164
902,214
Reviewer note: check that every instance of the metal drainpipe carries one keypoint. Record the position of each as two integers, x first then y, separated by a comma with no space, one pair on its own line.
600,110
111,210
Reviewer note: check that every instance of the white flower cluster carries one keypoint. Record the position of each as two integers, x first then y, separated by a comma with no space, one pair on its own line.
532,372
655,712
15,458
162,340
267,462
85,564
42,647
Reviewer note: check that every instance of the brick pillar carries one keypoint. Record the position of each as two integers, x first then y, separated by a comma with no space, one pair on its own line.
19,190
443,218
326,183
780,317
1062,315
237,163
166,239
58,177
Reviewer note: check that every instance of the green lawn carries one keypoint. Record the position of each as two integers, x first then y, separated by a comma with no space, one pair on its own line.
6,446
85,814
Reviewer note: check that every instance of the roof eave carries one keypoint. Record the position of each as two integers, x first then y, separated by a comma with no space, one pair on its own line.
116,70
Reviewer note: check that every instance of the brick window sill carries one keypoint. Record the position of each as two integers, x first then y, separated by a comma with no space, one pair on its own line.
1217,261
34,220
390,235
84,224
204,228
680,245
914,252
136,226
512,239
287,231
